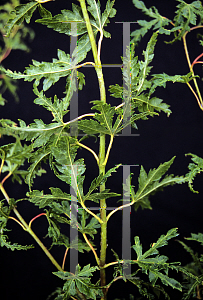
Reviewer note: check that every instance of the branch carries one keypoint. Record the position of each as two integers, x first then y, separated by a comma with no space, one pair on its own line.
29,230
118,208
90,150
42,214
92,248
64,258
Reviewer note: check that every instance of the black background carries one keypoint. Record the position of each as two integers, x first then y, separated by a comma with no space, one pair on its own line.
28,274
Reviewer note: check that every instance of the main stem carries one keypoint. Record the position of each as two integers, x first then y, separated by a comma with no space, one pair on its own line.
101,163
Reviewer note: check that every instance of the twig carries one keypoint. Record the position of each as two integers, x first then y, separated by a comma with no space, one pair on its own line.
64,258
92,248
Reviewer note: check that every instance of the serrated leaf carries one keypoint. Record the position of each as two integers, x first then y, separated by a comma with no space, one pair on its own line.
62,22
71,170
12,246
81,280
161,79
158,22
14,156
57,108
143,103
156,266
108,13
22,12
153,182
105,117
162,241
95,11
50,71
166,280
91,227
196,237
144,69
37,132
194,169
35,168
57,195
187,14
92,127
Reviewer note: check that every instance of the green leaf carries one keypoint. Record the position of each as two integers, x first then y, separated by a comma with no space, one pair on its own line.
153,182
143,103
57,195
108,13
139,87
35,168
71,170
37,132
92,127
156,266
4,215
196,237
81,281
105,117
44,13
158,22
91,227
144,66
62,22
4,242
187,14
21,13
162,241
57,108
94,9
14,156
194,169
161,79
51,72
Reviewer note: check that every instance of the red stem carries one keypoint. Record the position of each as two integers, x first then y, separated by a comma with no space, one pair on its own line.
5,54
6,177
42,214
196,60
64,258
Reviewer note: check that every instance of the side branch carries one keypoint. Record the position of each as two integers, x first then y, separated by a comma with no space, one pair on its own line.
92,248
118,208
29,230
90,150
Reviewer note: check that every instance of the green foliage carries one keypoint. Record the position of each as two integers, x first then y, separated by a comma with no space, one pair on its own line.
194,168
192,280
15,41
4,216
186,16
22,12
141,87
152,182
157,267
80,281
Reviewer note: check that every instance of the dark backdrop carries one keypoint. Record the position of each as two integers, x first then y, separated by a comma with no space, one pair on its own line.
28,274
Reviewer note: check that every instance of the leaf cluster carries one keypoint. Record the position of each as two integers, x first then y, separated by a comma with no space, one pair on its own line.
149,184
16,41
192,278
186,16
157,267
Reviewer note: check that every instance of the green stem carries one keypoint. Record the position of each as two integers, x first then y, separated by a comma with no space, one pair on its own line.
102,162
89,149
29,230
